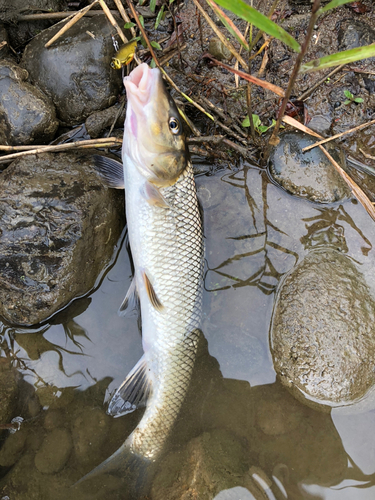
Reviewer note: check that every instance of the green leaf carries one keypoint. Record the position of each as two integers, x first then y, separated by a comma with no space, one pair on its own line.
153,63
262,128
156,45
246,122
256,121
333,4
152,5
127,26
159,17
141,20
358,99
241,9
143,42
348,94
348,101
344,57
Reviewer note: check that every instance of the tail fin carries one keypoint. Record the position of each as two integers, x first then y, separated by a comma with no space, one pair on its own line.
124,472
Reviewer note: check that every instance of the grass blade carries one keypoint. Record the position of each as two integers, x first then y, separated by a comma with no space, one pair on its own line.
241,9
228,23
333,4
344,57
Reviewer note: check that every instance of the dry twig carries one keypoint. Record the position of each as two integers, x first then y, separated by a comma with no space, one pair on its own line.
112,20
308,92
124,16
75,17
92,143
220,35
354,129
153,55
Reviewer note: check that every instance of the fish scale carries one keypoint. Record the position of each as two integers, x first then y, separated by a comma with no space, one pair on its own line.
169,248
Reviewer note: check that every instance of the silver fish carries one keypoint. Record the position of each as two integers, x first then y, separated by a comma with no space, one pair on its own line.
166,240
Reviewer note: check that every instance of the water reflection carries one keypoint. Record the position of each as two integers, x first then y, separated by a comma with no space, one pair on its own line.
239,430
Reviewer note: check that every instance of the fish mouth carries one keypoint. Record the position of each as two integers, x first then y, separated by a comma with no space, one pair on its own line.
140,82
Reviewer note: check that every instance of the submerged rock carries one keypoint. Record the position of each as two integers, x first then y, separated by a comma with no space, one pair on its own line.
307,175
57,232
322,336
8,392
27,114
54,452
75,71
212,462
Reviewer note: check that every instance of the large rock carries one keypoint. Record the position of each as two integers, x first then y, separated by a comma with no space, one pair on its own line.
307,174
322,337
75,71
27,115
57,232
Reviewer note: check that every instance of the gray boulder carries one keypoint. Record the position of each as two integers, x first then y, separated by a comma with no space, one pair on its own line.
58,229
75,71
27,115
322,337
307,174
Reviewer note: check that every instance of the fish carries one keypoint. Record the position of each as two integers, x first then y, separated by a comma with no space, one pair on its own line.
124,55
166,239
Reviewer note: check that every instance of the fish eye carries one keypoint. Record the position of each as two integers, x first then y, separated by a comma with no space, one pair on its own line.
174,125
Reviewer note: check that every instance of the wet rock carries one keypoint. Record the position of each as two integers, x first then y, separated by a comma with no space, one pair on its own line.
75,71
307,175
322,332
54,419
27,114
90,430
12,449
54,452
97,122
211,462
217,49
58,230
354,33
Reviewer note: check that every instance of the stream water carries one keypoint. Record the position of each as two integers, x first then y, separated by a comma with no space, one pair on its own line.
240,433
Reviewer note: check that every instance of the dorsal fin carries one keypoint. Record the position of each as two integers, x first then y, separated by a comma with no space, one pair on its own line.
133,392
111,171
131,300
151,293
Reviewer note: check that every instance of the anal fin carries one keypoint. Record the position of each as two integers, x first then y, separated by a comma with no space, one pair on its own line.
133,392
131,300
154,299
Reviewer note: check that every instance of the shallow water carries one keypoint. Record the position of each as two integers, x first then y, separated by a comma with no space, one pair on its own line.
240,434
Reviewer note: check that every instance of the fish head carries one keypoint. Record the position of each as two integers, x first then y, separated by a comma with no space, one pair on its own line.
153,134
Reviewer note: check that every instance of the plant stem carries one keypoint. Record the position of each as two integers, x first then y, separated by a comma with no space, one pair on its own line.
274,140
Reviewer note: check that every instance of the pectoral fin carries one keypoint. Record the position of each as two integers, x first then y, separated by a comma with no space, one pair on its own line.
133,392
111,171
131,300
151,293
153,196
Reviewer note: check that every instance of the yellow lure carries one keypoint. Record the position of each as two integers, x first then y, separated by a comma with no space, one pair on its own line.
124,55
